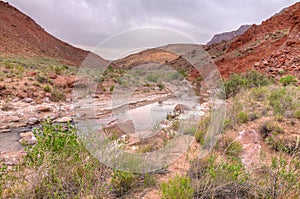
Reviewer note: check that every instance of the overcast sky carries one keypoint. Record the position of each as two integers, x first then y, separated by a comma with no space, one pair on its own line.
86,23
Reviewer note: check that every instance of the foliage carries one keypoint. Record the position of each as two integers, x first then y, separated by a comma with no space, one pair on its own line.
112,88
152,78
250,79
47,88
243,117
177,188
60,167
57,95
219,179
122,182
270,127
282,178
41,79
280,101
202,129
288,80
297,114
161,86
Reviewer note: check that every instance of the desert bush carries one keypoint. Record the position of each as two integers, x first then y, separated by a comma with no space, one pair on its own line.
202,129
282,178
41,79
250,79
47,88
220,179
161,86
288,80
8,65
61,167
259,94
152,78
112,88
213,177
279,100
297,114
177,188
243,117
122,182
230,146
270,126
57,95
280,145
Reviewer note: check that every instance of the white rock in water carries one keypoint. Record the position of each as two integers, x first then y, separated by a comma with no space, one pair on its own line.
33,120
46,100
68,100
26,134
27,100
64,119
28,140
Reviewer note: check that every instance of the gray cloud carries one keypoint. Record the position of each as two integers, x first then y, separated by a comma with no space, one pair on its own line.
85,23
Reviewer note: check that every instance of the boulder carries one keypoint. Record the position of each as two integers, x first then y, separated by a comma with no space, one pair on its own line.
2,86
31,74
43,109
52,75
27,138
60,81
21,94
71,80
27,100
180,108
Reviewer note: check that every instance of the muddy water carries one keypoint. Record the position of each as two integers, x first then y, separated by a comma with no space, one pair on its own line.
9,141
146,118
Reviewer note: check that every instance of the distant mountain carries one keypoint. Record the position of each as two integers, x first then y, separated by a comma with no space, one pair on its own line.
271,47
22,36
218,38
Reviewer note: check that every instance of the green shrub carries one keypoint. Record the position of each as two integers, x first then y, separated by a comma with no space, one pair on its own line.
259,94
297,114
63,167
280,101
175,125
57,95
47,88
122,182
112,88
243,117
234,84
234,149
202,129
177,188
41,79
152,78
161,86
59,69
270,127
237,82
282,178
9,65
288,80
183,73
231,146
220,179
